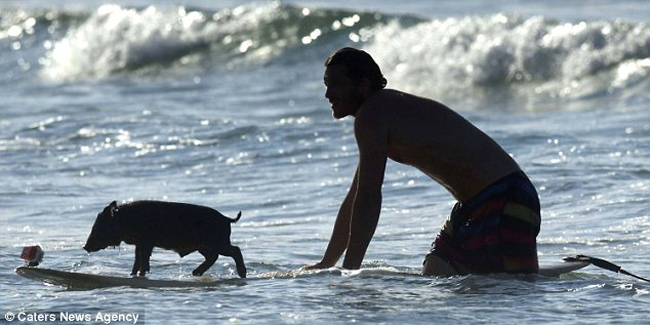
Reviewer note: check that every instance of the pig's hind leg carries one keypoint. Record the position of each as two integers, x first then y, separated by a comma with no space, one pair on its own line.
235,253
210,257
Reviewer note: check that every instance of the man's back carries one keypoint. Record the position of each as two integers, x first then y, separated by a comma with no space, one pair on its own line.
431,137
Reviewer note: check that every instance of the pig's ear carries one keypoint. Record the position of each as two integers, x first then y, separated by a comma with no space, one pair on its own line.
113,207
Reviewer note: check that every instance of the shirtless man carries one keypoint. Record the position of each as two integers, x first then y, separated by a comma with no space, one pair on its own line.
494,225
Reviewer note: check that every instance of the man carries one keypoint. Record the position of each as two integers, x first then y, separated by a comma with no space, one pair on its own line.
493,226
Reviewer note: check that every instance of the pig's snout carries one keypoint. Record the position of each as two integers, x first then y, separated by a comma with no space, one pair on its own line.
90,248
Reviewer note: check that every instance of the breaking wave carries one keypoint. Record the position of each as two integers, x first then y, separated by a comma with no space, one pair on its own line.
534,55
115,39
545,56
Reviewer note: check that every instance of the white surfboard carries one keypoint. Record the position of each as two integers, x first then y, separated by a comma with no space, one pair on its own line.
559,268
76,280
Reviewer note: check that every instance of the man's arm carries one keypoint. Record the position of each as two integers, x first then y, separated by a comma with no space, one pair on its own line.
341,232
372,138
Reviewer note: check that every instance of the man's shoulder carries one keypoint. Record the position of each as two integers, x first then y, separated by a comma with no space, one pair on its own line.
374,115
394,98
382,95
380,101
388,102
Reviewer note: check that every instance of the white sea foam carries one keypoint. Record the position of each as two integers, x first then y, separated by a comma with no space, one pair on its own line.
448,56
114,39
534,56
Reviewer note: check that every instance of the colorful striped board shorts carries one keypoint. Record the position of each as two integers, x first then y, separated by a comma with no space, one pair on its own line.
495,231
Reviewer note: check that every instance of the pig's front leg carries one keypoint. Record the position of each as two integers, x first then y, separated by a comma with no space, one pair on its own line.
210,257
136,263
144,254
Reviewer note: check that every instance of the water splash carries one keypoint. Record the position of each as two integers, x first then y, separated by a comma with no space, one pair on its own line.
116,39
534,56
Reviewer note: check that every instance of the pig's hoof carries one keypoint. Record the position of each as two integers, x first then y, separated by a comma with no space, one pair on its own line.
241,273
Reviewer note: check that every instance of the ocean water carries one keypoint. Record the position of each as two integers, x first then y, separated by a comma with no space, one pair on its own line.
222,104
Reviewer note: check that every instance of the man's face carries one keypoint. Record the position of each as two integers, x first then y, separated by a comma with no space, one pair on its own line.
342,92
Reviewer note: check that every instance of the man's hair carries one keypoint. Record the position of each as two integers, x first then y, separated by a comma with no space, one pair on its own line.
359,65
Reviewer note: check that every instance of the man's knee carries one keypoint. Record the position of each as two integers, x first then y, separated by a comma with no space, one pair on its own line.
436,266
